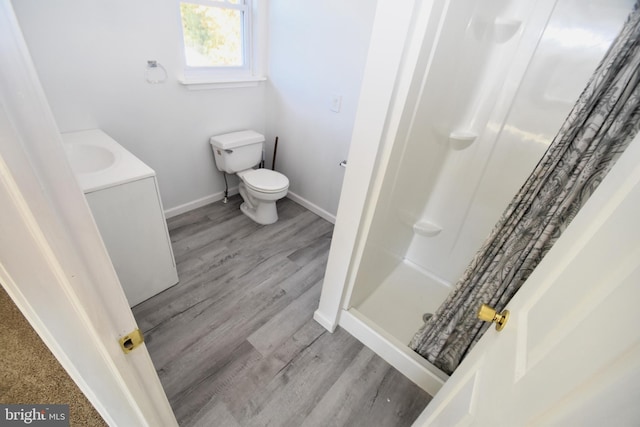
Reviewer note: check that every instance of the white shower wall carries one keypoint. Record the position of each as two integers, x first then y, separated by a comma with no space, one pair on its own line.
475,185
462,192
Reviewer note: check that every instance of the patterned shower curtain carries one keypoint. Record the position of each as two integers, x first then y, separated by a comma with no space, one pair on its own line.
600,126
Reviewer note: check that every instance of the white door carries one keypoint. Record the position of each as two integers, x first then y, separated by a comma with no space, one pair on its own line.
52,261
570,352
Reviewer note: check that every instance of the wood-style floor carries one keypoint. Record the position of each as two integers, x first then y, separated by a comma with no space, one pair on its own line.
234,343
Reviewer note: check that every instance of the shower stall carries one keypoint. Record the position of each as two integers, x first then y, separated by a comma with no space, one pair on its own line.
477,95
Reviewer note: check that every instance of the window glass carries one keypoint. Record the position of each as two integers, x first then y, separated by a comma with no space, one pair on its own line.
213,36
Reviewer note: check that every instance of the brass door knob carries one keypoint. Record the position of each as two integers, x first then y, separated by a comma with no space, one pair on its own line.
489,314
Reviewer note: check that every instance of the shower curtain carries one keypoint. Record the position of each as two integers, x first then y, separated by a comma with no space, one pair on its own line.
600,126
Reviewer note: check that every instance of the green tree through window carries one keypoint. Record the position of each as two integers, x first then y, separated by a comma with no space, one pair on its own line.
213,36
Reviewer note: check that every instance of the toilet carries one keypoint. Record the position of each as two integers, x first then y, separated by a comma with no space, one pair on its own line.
239,153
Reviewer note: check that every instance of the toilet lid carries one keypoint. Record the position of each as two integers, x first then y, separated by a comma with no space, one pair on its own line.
265,180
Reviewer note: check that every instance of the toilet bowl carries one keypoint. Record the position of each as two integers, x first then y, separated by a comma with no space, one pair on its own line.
260,189
239,153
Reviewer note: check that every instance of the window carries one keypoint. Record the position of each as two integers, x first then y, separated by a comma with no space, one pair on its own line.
217,40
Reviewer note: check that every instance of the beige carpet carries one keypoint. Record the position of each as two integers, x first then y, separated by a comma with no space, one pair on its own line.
30,374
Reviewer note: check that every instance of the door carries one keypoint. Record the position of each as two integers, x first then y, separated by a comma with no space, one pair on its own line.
53,263
569,354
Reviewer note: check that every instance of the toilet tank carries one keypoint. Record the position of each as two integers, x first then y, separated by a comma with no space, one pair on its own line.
237,151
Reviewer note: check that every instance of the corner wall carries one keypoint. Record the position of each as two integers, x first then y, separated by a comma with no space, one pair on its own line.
317,50
91,58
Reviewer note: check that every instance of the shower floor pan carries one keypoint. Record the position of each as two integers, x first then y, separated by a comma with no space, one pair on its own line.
387,320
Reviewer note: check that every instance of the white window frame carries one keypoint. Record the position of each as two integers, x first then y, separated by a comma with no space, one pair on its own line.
250,74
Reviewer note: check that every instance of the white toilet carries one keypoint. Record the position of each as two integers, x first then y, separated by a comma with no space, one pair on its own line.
239,153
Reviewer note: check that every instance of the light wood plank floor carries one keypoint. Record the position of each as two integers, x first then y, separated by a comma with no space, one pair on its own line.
234,343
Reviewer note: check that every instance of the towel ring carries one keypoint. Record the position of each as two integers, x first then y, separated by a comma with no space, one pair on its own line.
155,73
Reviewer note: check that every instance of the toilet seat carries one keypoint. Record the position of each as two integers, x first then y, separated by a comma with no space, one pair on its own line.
264,180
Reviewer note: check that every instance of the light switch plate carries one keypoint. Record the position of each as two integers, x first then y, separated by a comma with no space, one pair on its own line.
336,103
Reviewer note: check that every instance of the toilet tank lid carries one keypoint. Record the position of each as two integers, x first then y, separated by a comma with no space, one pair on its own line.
236,139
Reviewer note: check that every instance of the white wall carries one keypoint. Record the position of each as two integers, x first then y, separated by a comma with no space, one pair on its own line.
317,49
91,57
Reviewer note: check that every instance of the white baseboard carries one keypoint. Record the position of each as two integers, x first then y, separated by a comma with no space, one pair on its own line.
324,321
312,207
177,210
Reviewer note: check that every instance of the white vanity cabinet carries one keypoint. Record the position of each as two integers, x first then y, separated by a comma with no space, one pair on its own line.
123,195
133,228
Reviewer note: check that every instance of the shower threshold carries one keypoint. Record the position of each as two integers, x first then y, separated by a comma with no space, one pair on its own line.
388,318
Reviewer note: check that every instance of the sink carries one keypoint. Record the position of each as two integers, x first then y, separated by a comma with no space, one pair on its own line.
89,158
99,162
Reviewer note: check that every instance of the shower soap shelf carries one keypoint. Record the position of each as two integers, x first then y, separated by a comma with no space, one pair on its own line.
496,30
461,139
505,29
426,228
